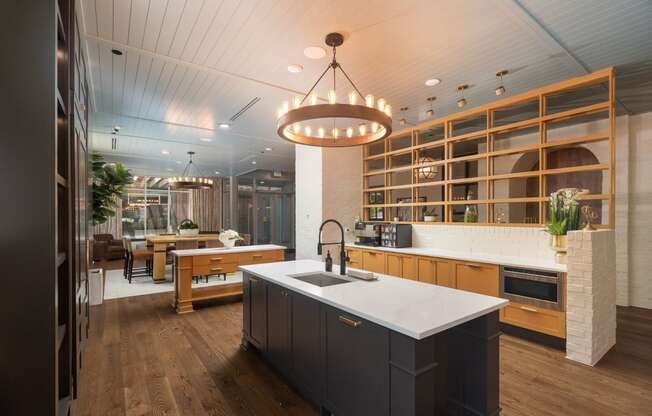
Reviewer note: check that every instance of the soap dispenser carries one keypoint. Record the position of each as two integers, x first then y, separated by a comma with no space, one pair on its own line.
329,261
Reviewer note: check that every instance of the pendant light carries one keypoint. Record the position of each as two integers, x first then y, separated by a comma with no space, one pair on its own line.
189,181
462,101
500,90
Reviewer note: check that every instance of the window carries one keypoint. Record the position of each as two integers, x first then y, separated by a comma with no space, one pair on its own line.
154,211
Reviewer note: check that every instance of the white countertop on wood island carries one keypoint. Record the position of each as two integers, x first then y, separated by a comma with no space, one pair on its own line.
224,250
503,260
412,308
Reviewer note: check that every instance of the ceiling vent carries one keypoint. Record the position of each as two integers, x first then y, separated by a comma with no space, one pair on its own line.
244,109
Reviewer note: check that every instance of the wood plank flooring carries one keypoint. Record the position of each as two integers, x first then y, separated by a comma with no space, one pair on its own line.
143,359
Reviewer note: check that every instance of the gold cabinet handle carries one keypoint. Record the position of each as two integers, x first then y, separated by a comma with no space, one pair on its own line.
257,256
214,269
529,309
348,321
217,258
371,253
473,266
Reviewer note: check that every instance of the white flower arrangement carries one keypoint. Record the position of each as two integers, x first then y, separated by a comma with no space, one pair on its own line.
127,220
230,235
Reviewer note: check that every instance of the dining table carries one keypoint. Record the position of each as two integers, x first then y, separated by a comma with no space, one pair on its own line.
160,244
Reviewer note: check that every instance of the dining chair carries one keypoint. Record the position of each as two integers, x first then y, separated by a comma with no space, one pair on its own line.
141,254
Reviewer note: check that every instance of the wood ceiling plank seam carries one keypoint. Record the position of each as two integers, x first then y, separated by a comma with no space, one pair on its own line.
223,27
106,71
138,22
105,17
176,101
88,16
166,104
172,18
119,66
200,100
158,113
93,73
187,100
141,82
156,93
203,37
262,26
162,91
116,21
206,101
156,68
195,108
153,25
194,14
131,60
233,34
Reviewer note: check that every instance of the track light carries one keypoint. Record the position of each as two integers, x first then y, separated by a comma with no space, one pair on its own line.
500,90
462,101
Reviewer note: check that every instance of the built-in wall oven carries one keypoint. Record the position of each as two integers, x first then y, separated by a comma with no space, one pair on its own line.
541,288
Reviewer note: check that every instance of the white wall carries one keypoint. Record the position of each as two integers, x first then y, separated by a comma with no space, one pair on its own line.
309,184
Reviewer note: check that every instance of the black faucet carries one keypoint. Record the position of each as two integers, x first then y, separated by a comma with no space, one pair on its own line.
343,256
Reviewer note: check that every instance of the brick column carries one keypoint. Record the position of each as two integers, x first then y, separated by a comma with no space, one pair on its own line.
591,295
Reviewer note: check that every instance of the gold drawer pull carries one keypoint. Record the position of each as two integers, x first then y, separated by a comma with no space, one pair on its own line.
529,309
217,258
214,269
371,253
257,256
348,321
473,266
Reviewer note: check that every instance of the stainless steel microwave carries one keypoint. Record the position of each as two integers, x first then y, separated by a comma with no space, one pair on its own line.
541,288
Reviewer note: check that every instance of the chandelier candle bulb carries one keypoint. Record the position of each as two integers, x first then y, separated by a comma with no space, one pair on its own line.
349,131
286,107
332,97
381,104
308,130
296,102
297,127
313,99
335,133
388,110
363,129
369,100
353,98
374,127
320,131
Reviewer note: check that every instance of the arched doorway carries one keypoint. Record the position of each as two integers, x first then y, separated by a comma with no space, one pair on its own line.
567,157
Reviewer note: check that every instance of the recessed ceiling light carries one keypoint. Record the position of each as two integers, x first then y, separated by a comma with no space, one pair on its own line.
314,52
217,172
178,162
253,162
169,169
295,68
116,128
116,52
224,125
205,139
268,149
432,82
262,182
165,152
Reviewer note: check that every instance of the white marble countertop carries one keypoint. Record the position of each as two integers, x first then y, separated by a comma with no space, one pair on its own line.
219,250
415,309
514,261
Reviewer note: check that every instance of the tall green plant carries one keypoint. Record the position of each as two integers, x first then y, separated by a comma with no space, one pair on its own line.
563,212
110,182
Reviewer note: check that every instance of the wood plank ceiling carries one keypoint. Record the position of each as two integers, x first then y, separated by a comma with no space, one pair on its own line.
188,65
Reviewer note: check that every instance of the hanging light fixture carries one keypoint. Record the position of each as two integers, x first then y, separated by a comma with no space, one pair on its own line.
189,181
426,172
500,90
363,111
430,112
462,101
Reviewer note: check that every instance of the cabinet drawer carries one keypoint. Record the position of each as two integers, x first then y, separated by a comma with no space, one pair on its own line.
373,261
355,256
255,257
536,319
209,269
214,259
477,277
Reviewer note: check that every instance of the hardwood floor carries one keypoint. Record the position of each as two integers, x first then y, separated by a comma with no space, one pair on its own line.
143,359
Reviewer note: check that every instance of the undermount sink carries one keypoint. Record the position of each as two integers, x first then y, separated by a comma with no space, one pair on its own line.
320,279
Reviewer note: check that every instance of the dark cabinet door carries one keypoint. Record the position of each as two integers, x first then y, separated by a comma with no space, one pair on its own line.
356,366
258,311
306,352
278,327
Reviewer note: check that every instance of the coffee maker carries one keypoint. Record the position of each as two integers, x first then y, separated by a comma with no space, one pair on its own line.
367,234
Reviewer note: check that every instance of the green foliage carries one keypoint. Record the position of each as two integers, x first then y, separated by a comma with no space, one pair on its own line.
187,225
110,182
563,212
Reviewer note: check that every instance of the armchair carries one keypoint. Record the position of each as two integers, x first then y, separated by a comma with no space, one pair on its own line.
105,247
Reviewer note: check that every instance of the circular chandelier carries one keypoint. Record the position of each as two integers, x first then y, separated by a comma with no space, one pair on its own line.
334,124
189,181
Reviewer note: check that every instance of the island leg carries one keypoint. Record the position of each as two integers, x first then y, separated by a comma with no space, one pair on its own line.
160,254
183,284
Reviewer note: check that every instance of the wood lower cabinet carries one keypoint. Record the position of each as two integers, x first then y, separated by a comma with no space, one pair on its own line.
355,258
373,261
401,266
446,273
426,270
355,370
436,271
536,319
478,278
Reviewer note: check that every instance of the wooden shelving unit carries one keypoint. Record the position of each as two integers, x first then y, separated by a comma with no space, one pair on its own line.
448,164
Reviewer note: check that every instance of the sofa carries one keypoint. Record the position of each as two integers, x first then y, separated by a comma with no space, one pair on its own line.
105,247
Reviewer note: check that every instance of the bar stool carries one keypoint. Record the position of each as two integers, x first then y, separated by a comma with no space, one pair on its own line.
141,254
214,244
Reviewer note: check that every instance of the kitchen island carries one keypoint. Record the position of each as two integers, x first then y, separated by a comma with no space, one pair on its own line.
386,347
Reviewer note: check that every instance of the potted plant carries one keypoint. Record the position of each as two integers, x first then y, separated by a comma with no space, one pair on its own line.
187,227
430,214
563,216
110,181
229,238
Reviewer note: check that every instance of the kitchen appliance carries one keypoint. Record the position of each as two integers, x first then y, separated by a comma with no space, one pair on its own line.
367,234
396,235
532,287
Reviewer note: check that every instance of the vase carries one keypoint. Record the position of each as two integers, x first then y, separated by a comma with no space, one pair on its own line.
228,243
189,231
560,245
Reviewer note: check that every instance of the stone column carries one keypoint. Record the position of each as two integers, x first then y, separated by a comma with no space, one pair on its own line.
591,295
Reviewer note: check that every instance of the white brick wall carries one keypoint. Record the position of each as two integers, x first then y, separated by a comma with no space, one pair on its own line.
591,292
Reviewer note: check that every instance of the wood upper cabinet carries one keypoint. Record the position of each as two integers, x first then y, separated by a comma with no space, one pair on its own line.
477,277
373,261
401,265
355,258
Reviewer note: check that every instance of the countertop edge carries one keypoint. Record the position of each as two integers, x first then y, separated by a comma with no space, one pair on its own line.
383,323
221,250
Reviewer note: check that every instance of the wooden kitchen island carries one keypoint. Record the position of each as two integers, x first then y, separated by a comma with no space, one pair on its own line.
214,261
160,243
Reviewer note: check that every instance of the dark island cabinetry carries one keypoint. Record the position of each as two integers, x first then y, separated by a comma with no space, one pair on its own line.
350,366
